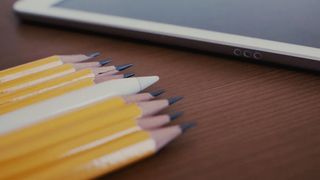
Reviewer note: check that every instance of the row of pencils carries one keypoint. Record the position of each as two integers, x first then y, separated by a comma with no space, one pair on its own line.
64,117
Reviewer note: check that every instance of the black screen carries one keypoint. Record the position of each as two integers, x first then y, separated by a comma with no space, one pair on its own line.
291,21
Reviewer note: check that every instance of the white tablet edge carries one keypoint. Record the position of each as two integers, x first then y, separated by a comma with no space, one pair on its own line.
44,8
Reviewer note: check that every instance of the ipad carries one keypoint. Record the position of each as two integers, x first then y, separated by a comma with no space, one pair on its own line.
279,31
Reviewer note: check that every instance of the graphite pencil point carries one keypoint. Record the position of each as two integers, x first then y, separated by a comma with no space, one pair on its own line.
157,92
174,99
104,62
173,116
128,75
123,67
93,54
186,126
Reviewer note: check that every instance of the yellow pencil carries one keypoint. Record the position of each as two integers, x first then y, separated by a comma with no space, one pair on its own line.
42,64
109,156
102,119
5,108
36,78
60,90
80,144
72,117
49,74
45,86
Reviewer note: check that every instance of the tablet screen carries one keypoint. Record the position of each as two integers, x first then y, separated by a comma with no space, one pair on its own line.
290,21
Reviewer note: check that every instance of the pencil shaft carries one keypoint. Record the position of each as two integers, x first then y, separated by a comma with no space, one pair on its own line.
79,144
49,74
40,65
153,122
105,70
45,86
66,149
98,161
57,122
51,92
79,66
47,93
104,77
53,84
96,121
36,78
75,116
111,70
29,68
69,87
41,111
78,57
109,156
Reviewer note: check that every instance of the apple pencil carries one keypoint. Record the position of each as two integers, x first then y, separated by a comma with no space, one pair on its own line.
40,111
43,64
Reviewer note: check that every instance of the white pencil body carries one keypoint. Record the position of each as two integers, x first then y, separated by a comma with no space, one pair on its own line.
41,111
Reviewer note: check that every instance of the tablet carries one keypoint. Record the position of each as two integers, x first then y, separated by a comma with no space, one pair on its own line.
285,32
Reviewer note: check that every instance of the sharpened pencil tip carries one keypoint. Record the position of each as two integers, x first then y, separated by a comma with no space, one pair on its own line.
186,126
128,75
174,99
157,92
173,116
93,54
123,67
105,61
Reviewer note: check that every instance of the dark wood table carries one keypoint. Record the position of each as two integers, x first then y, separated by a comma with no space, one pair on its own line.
254,121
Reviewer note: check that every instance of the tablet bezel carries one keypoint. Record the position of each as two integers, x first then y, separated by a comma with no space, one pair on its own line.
45,8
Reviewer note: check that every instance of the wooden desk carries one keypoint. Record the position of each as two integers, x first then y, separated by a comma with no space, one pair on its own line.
254,121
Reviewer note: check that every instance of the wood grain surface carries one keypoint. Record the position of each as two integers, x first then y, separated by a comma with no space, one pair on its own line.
254,121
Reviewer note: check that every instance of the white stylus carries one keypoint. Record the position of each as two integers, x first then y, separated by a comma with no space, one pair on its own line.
41,111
